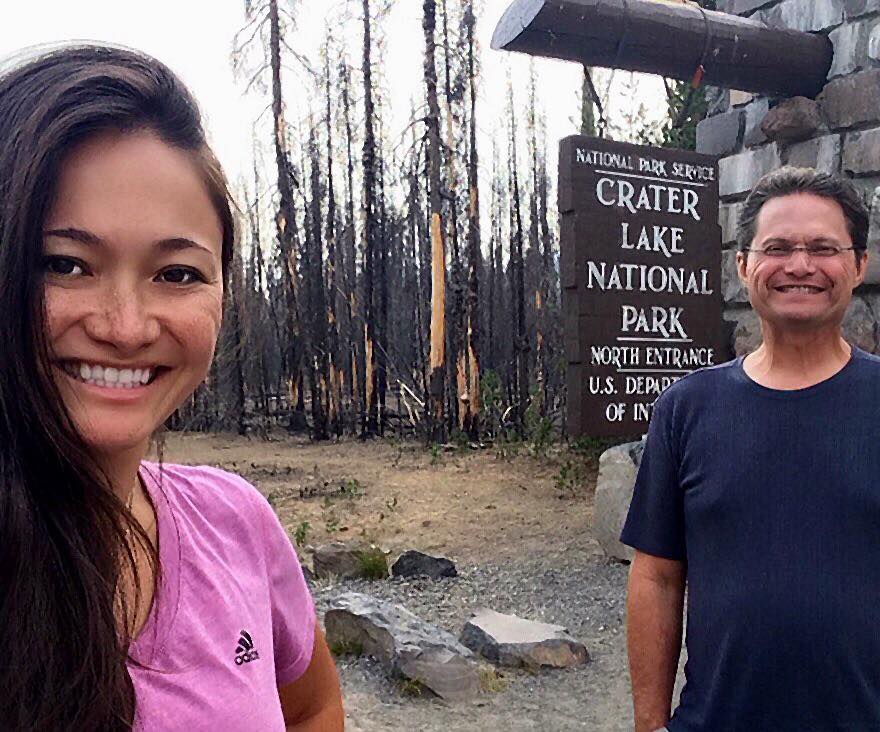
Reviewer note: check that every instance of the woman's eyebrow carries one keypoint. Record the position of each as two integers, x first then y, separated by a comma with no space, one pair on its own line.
174,244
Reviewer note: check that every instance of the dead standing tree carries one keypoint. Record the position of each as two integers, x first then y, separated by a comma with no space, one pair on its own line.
437,361
258,15
370,426
470,420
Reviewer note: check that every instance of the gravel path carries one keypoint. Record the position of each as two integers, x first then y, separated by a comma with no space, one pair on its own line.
585,594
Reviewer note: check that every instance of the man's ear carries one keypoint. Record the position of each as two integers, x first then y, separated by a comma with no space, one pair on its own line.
741,264
861,267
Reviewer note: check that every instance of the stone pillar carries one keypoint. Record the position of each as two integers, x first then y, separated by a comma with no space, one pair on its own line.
839,132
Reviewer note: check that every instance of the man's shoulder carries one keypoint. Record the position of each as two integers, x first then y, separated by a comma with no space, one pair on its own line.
709,378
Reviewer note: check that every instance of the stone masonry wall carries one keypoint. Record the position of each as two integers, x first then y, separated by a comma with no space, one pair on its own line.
839,132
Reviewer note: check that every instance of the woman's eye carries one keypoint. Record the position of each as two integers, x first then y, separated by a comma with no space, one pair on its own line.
63,266
181,276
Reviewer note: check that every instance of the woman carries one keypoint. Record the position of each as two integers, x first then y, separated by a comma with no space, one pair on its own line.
132,594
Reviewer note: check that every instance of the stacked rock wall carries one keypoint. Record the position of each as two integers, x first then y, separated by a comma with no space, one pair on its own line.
838,131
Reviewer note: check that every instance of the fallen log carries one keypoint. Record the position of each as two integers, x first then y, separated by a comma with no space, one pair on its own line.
671,39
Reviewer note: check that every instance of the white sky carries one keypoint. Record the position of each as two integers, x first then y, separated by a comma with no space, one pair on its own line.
194,37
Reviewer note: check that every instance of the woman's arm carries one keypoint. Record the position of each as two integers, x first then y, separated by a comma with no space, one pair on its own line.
313,703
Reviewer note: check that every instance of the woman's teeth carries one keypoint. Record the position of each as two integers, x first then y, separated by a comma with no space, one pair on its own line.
109,376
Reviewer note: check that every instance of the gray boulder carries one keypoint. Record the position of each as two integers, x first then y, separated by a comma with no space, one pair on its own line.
405,645
416,564
508,640
614,488
348,561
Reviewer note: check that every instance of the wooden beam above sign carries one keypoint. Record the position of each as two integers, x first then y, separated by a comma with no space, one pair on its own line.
671,39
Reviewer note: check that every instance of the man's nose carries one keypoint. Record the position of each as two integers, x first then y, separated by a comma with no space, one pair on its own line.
800,263
123,319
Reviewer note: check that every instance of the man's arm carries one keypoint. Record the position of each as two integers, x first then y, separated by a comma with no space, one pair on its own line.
654,621
313,703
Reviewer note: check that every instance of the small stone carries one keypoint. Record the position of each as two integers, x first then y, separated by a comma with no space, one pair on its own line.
416,564
793,120
405,645
508,640
345,561
618,467
739,98
872,276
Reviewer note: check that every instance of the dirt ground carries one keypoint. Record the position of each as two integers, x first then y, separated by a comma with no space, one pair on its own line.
518,528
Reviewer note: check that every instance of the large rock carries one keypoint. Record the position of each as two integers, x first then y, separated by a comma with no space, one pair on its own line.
508,640
861,153
823,153
852,100
860,325
792,120
746,330
756,110
406,646
732,288
739,173
728,219
872,276
850,43
721,134
416,564
804,15
618,467
347,561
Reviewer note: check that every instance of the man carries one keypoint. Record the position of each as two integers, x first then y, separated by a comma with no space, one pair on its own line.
760,489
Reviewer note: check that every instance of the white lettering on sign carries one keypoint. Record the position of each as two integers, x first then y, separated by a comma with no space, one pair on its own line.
663,239
648,197
644,278
665,322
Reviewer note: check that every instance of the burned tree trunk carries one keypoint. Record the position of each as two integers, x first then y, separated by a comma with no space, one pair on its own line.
517,272
371,405
437,364
471,419
285,222
333,288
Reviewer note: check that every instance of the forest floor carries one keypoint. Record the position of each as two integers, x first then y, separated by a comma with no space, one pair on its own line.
516,525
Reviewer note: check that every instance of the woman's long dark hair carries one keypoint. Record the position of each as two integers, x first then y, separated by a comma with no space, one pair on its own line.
63,532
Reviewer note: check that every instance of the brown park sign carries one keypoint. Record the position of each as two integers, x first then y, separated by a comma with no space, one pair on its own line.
641,277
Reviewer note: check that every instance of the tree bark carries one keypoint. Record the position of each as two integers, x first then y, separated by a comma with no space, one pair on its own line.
437,363
670,39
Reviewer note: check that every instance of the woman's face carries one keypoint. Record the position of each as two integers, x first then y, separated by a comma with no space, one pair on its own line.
133,286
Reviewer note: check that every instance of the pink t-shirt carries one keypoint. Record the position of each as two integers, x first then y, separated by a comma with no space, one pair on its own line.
233,618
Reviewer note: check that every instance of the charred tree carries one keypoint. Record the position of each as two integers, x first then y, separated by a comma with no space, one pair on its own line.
370,426
437,361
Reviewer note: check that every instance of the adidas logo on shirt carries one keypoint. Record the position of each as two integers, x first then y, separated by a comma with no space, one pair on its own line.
245,651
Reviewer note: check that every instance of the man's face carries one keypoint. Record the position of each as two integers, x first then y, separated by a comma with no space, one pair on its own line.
800,292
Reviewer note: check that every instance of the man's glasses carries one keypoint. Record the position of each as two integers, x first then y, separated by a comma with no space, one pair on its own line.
784,251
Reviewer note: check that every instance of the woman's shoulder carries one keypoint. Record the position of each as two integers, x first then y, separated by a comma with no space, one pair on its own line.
215,494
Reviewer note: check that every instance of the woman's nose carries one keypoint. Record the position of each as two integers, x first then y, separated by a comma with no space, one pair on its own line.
122,319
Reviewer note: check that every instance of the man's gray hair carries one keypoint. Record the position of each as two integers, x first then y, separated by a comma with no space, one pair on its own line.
788,180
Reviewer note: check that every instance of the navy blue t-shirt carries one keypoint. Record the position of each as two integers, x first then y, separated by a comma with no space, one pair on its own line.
772,498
